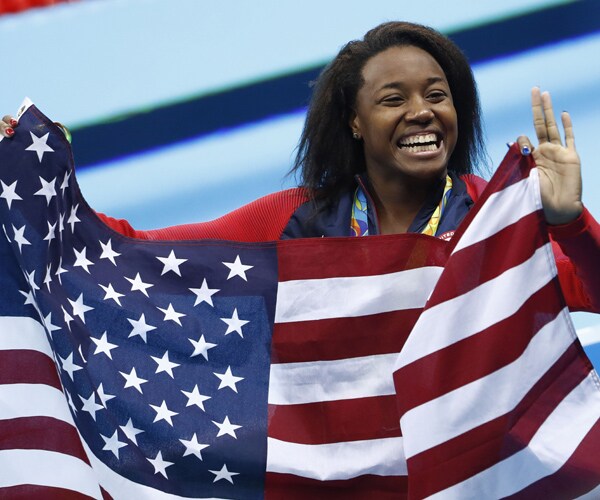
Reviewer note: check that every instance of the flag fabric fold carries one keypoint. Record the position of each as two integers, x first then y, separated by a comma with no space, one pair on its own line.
213,369
495,394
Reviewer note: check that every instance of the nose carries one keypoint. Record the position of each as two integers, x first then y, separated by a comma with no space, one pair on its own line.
419,110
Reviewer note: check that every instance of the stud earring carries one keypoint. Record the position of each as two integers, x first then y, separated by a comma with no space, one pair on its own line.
356,135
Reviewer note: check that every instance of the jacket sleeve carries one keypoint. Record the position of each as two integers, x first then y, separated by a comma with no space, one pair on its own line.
576,248
261,220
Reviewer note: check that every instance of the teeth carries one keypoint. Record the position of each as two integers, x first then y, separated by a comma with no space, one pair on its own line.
419,139
418,149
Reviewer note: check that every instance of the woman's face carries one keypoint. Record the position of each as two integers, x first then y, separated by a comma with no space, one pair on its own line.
405,116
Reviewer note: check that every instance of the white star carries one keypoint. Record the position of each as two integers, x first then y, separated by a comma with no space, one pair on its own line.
47,189
65,182
48,324
103,396
236,268
19,238
111,293
9,193
69,366
48,278
234,324
60,270
140,327
90,405
163,413
201,346
164,364
138,284
204,294
193,447
130,431
132,380
30,277
159,464
228,379
171,314
79,308
103,345
67,317
108,252
28,297
195,398
51,233
61,223
112,444
39,145
73,219
171,263
5,233
81,259
223,474
227,427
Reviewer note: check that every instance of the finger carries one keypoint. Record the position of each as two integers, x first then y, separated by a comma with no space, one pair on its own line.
10,121
524,145
568,126
551,125
539,121
6,130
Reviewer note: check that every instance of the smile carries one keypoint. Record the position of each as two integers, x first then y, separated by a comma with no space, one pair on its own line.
420,143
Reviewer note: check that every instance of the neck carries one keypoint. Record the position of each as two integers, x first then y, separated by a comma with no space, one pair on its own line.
398,202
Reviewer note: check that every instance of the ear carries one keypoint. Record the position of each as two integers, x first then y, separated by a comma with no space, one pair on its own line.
354,124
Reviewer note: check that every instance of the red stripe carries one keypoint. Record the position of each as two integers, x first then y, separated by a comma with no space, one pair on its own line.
27,367
289,487
514,168
30,491
475,356
335,421
342,338
476,450
574,479
478,263
352,257
45,433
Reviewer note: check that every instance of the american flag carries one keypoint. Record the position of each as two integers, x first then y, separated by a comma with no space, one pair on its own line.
496,396
145,369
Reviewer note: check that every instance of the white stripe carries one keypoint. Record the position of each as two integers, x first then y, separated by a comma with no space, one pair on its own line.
47,468
33,400
120,487
478,309
591,495
310,382
18,332
329,462
503,209
549,449
589,335
482,400
305,300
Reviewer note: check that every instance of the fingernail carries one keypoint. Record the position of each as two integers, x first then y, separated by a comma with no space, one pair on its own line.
13,122
9,132
509,145
525,150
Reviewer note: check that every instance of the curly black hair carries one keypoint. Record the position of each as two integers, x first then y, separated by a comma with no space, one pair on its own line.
328,157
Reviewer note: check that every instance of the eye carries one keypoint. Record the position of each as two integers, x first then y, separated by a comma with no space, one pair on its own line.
392,100
436,95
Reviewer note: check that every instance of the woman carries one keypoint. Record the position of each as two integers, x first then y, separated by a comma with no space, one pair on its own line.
391,138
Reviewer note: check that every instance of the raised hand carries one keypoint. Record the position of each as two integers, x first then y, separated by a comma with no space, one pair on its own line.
559,165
